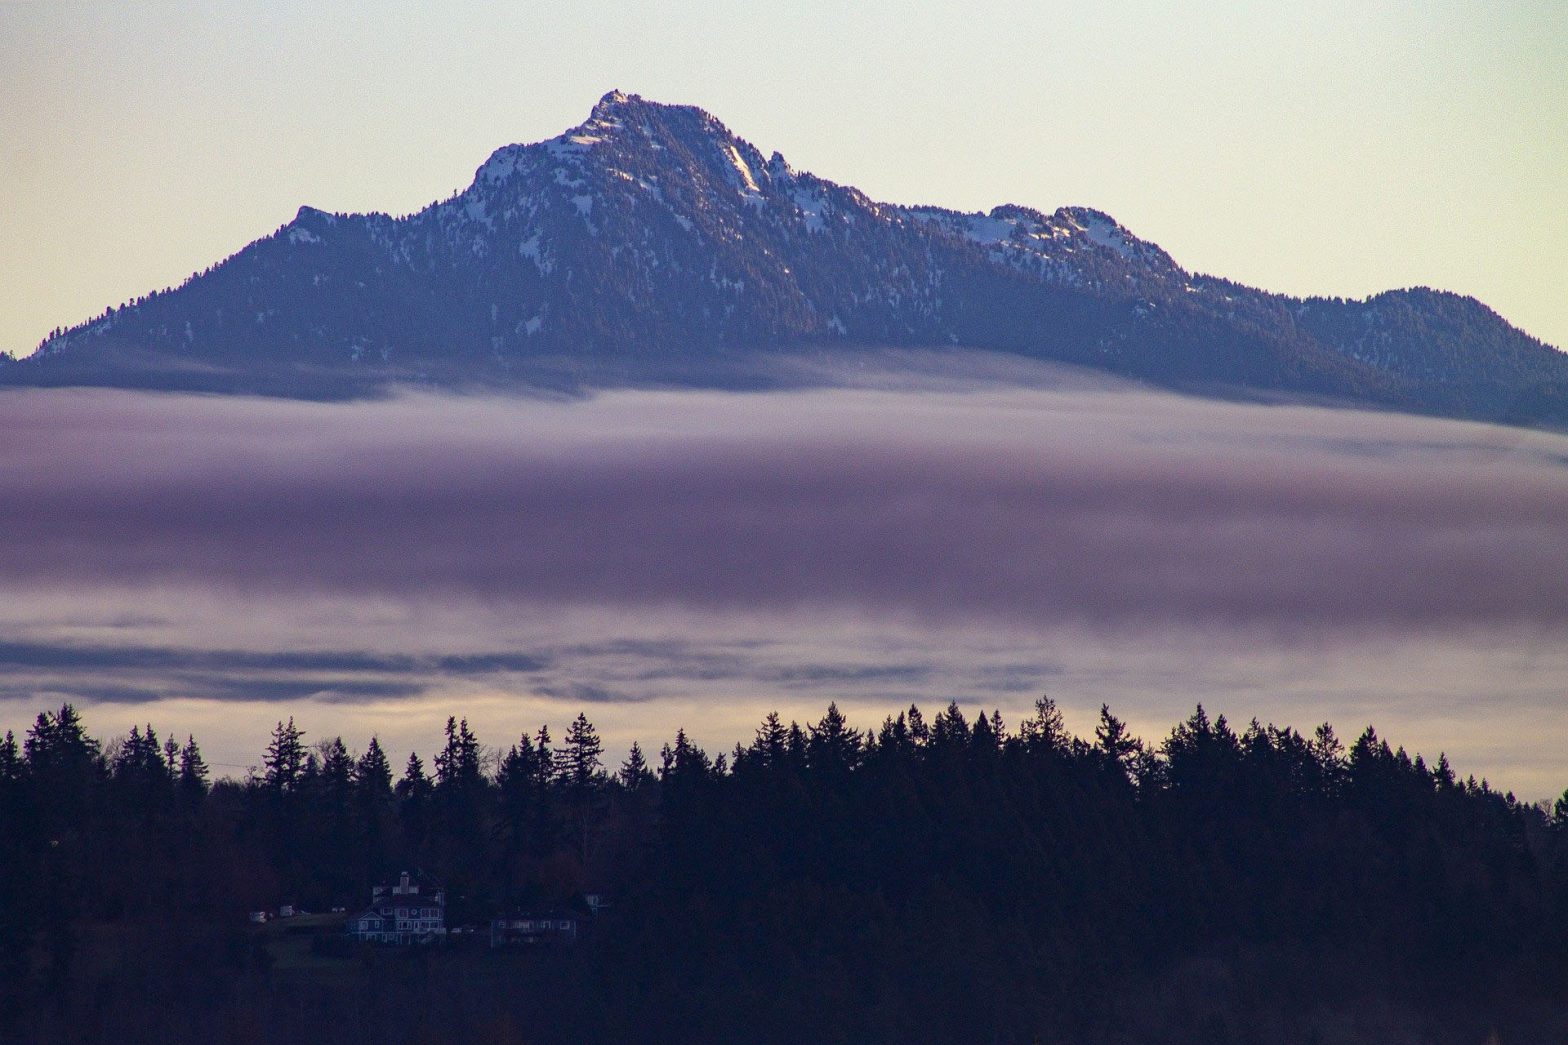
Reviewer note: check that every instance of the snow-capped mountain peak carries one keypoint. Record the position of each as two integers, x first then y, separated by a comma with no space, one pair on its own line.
649,233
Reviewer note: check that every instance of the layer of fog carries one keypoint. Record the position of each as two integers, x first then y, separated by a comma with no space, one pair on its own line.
696,559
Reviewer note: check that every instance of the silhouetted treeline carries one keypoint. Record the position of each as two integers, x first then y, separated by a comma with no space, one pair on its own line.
932,879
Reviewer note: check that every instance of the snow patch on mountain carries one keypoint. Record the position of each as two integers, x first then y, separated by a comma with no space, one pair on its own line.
501,165
1103,231
739,163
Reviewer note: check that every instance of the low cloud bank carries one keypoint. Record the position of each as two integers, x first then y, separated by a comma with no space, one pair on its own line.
1023,508
735,552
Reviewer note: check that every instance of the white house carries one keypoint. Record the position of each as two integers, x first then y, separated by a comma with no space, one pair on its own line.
411,911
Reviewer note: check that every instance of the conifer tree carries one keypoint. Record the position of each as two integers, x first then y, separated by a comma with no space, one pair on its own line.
1045,731
795,747
772,741
1117,748
685,762
634,773
457,765
518,779
57,745
413,793
373,774
517,774
337,770
64,765
983,737
950,731
577,769
10,760
414,786
193,772
544,759
832,745
285,758
126,758
527,819
171,758
577,762
1443,774
372,789
309,782
893,739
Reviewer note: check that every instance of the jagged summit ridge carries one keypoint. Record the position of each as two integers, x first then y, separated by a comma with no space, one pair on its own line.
613,97
650,236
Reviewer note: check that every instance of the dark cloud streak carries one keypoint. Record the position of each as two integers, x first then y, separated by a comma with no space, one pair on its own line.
81,657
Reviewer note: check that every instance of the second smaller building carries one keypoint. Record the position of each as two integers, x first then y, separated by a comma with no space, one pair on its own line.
534,927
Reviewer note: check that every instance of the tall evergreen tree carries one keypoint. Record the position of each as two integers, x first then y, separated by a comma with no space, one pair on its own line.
414,785
833,747
64,766
795,748
373,801
578,771
337,770
171,758
578,760
983,738
10,760
544,758
528,816
1117,748
413,793
373,774
634,772
1045,732
457,765
285,759
771,744
894,740
950,731
57,746
193,772
518,782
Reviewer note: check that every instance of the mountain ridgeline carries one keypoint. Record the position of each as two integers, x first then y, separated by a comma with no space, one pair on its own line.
649,244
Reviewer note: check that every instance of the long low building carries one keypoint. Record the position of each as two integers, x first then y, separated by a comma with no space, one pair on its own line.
534,927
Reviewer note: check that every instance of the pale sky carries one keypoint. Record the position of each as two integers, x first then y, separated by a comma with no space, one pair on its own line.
1330,147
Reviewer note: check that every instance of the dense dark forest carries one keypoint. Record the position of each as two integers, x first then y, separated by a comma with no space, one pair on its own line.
934,879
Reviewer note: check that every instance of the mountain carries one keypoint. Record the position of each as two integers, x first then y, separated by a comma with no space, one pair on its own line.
650,243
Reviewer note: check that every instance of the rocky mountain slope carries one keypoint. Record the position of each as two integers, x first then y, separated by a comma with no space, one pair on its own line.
650,243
